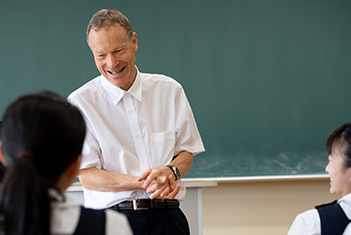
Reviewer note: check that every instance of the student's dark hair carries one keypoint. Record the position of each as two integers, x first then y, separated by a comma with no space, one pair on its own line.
342,136
42,134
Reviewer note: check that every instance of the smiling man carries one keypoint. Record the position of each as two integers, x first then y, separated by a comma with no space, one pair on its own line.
114,53
141,133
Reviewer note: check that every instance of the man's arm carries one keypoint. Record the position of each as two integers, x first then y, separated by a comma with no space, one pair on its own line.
106,181
160,182
183,161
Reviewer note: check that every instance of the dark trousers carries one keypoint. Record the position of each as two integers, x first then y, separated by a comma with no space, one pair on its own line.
157,221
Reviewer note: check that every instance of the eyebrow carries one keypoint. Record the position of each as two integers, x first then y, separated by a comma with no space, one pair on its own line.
118,48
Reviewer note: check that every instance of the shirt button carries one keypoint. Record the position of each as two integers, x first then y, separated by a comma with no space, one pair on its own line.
142,160
137,135
130,110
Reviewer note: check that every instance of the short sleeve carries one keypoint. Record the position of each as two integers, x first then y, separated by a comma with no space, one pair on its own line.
187,134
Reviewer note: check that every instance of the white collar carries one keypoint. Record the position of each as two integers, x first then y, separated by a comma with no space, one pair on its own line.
117,93
346,198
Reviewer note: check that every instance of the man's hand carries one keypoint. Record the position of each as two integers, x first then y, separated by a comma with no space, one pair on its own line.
159,182
174,189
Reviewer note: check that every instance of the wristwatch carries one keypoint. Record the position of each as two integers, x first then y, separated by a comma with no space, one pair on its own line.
175,170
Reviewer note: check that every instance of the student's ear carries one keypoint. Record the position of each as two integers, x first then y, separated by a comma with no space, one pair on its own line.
2,158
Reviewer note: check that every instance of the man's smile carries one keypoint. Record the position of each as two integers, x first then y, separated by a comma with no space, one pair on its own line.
116,72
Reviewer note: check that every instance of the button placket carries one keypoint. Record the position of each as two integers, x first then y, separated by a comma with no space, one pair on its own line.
136,132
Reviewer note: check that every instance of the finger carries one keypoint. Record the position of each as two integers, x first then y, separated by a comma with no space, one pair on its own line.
152,187
165,192
161,179
173,193
144,175
157,193
169,192
153,175
172,183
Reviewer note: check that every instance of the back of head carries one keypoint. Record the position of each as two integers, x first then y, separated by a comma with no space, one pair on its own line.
341,137
107,18
45,127
42,134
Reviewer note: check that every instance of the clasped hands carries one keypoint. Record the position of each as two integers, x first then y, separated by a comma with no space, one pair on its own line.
159,183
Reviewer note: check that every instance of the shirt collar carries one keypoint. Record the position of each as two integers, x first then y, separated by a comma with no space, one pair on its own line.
346,198
117,93
135,89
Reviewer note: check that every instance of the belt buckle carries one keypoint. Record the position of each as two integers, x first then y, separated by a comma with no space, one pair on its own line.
135,206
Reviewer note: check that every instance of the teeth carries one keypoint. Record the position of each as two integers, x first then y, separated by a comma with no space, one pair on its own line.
114,73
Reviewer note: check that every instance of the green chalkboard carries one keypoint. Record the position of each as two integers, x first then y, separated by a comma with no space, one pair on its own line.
268,80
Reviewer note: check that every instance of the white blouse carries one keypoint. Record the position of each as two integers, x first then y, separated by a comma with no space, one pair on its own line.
65,214
308,222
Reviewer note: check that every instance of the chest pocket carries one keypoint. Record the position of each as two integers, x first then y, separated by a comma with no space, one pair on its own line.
162,147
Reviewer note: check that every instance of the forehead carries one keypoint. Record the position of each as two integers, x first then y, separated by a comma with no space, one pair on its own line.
337,149
111,37
338,145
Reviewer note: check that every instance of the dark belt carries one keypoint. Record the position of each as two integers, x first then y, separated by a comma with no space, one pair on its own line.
145,204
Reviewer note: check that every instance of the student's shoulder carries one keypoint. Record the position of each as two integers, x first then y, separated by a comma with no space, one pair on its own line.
309,215
307,222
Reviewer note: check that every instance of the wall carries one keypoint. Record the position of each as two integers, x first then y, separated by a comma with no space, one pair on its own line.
260,207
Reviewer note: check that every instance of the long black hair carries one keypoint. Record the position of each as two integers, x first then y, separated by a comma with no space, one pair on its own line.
42,134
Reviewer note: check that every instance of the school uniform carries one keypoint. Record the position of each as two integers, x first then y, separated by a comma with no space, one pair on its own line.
309,222
66,216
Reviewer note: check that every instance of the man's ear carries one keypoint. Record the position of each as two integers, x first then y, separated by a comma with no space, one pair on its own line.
135,41
2,158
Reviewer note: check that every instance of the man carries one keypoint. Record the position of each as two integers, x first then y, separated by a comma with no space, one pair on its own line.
141,133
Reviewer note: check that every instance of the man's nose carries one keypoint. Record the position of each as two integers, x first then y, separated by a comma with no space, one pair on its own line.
112,61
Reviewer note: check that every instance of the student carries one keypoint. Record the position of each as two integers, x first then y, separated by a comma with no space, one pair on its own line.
334,217
42,138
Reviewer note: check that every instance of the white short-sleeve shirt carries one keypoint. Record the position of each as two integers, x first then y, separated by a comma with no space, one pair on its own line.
308,222
135,130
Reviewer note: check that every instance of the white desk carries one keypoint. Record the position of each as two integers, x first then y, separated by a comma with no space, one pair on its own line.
191,206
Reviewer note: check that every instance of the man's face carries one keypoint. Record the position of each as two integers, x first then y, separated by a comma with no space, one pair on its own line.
114,54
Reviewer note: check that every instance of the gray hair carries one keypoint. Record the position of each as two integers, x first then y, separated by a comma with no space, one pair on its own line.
109,18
